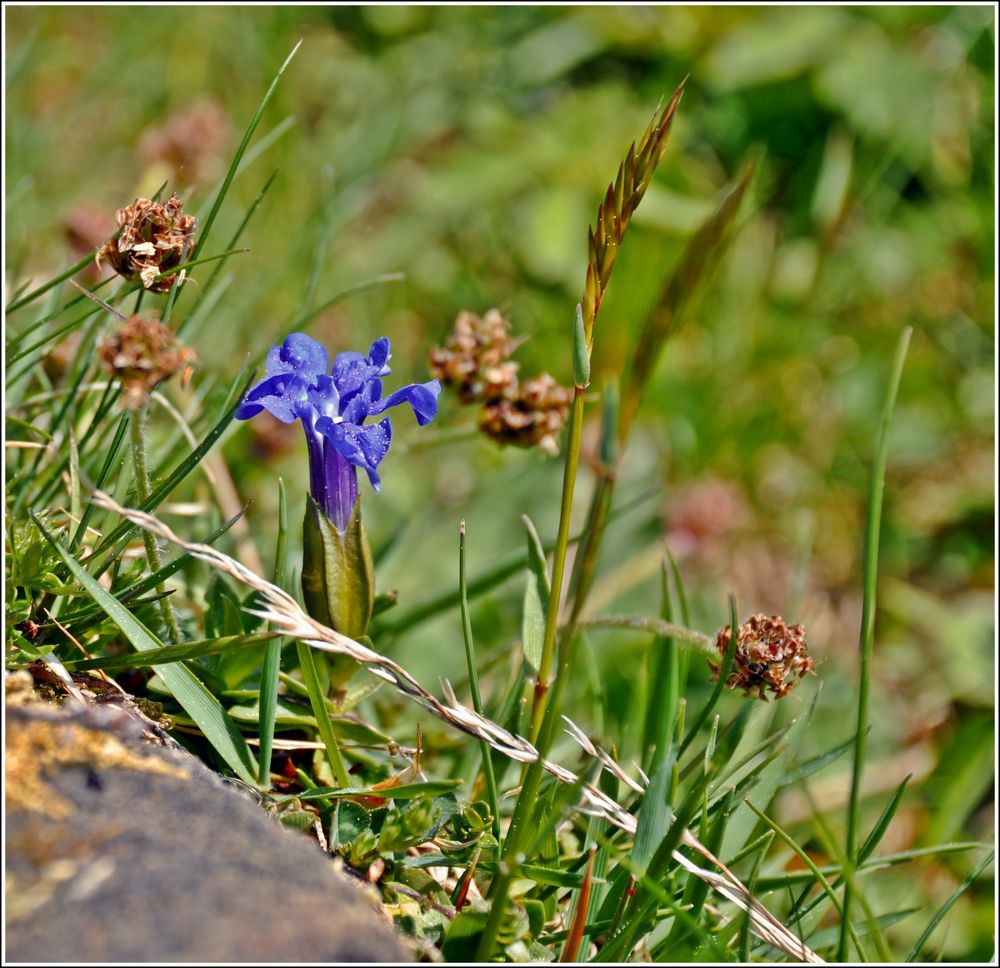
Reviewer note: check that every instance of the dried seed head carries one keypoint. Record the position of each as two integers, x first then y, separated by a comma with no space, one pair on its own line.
153,238
142,353
770,656
535,415
475,361
475,358
189,142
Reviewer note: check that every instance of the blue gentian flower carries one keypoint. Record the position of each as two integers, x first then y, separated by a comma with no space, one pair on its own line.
333,406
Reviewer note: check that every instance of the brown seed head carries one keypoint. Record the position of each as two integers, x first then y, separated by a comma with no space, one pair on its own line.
153,238
476,362
770,656
535,415
142,353
475,359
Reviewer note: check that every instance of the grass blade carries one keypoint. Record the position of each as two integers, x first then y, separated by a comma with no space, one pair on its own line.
109,460
882,824
872,529
946,907
727,664
170,653
536,600
310,676
268,697
209,222
185,687
182,470
210,282
663,691
821,879
51,284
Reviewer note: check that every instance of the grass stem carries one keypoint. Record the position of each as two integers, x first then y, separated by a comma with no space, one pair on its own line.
137,438
477,702
558,564
872,529
268,698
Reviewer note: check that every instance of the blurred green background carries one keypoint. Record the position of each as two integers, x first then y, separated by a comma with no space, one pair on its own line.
468,148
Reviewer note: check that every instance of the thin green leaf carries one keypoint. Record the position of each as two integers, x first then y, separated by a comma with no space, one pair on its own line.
510,566
182,470
209,284
727,664
268,700
811,864
51,284
882,824
327,734
872,529
828,936
109,461
192,695
532,623
209,222
539,874
405,791
816,763
655,817
778,881
917,949
663,689
170,653
767,780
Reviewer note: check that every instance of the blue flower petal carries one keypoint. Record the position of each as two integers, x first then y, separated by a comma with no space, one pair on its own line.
333,406
378,355
363,403
422,397
299,354
323,396
361,446
351,371
283,396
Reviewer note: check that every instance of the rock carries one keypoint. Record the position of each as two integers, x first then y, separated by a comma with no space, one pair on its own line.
121,847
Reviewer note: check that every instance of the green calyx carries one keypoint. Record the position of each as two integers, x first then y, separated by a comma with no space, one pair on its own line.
338,574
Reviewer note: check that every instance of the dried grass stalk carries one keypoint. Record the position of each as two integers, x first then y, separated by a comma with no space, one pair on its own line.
285,616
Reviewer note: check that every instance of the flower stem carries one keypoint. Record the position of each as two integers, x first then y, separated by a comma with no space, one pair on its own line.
477,702
137,436
558,565
488,939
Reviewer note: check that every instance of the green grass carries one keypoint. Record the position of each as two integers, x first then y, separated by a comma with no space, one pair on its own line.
810,212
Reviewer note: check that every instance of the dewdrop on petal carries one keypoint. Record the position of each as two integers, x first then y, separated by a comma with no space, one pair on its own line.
770,656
